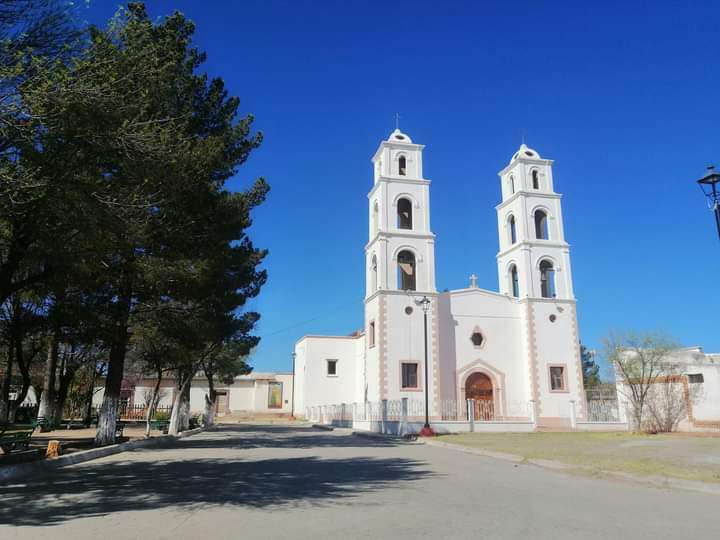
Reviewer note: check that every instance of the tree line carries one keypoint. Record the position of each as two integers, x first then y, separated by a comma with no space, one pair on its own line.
120,244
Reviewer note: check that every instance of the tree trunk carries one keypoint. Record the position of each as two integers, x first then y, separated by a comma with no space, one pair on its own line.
108,417
89,398
5,391
65,380
25,374
152,406
185,404
176,423
47,398
210,399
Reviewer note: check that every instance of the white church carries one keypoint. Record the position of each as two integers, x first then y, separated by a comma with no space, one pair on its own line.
515,351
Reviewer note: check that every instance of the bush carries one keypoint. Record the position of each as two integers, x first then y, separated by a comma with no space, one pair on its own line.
161,416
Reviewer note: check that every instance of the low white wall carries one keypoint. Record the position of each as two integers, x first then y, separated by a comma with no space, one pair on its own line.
395,427
602,426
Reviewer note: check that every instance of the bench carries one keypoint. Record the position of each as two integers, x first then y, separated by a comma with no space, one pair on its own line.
45,424
18,440
160,425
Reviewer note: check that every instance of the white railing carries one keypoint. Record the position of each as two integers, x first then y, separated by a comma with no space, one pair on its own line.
393,410
394,414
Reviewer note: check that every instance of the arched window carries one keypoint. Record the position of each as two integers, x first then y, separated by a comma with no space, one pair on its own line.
404,214
512,184
541,225
513,229
402,165
406,271
514,283
373,274
375,216
535,179
547,279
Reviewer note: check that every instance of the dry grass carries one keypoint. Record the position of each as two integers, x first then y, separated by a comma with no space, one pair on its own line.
673,456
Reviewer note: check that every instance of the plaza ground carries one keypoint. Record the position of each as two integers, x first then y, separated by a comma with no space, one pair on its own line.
71,440
679,455
257,481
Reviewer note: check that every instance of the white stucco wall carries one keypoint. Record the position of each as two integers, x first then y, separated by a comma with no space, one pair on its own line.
706,406
501,355
319,388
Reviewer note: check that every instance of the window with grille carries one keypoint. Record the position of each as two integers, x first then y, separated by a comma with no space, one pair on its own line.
409,375
557,378
332,367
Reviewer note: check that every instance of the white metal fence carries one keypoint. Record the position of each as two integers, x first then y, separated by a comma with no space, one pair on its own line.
602,405
414,409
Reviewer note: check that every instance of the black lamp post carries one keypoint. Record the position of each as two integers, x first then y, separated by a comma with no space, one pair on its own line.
711,188
426,431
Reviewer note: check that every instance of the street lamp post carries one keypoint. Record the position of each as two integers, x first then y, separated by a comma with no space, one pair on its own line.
292,402
426,431
711,189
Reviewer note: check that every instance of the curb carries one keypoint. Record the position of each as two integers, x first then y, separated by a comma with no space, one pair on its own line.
376,435
475,451
654,481
11,472
323,427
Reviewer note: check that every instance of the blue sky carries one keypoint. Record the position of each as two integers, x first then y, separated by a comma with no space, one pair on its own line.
624,96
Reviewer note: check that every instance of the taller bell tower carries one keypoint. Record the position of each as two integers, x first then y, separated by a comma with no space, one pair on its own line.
400,263
400,254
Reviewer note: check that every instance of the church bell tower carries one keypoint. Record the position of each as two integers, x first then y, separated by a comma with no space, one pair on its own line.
400,263
534,259
534,268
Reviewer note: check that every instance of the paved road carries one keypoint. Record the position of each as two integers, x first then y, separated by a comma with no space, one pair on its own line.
245,482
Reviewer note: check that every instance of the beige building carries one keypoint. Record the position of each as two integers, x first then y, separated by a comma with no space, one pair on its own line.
256,393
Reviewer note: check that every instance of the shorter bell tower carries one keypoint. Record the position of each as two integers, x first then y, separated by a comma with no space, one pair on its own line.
534,267
534,258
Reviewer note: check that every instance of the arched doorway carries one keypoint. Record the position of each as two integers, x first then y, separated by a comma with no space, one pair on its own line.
479,387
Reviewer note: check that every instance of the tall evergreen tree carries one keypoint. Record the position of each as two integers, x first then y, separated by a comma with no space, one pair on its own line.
590,368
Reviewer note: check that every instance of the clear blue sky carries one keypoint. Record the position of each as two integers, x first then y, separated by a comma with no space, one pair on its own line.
624,96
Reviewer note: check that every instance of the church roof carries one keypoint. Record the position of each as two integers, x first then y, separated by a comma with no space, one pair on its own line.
525,152
399,136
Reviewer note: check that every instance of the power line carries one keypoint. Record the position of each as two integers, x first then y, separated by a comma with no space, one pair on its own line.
313,319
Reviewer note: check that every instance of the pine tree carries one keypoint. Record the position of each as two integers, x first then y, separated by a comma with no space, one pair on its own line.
590,368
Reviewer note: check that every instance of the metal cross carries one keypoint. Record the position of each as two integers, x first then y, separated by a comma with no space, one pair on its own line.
473,281
397,120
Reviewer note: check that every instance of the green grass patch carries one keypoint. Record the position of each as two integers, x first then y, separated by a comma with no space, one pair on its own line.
671,456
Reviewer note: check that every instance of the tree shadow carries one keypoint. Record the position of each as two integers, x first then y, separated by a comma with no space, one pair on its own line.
99,489
247,437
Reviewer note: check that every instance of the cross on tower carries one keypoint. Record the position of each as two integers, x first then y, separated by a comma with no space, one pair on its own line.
473,281
397,120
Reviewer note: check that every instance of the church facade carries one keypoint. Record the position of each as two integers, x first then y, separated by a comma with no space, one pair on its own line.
514,351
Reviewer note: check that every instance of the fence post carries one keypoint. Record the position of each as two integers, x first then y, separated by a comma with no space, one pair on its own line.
533,412
403,418
471,413
573,418
384,415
